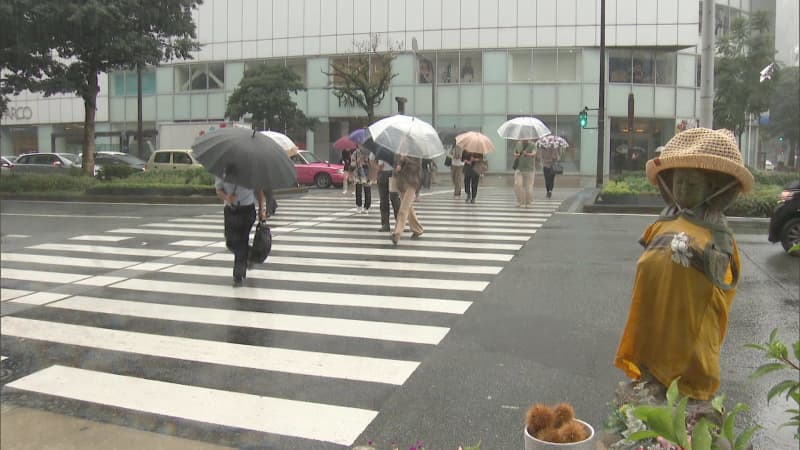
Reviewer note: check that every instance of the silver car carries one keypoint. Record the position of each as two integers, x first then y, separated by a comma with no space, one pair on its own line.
45,162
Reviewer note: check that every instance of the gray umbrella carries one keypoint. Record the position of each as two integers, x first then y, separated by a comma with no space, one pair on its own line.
246,158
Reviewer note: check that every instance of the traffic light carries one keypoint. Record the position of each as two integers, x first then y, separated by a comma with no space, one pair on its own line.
583,119
780,139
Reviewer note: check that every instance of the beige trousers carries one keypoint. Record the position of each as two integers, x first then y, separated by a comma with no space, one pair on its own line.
407,214
523,187
457,175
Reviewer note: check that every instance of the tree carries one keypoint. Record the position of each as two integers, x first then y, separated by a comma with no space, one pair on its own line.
362,79
86,38
264,92
784,109
741,55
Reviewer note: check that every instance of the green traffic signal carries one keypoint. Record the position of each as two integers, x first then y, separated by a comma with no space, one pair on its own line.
583,119
780,138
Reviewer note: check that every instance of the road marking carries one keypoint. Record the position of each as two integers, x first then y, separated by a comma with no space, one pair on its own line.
457,236
67,261
299,296
393,251
75,216
382,241
99,238
347,367
44,277
337,424
466,229
310,278
104,249
7,293
39,298
16,236
369,264
386,331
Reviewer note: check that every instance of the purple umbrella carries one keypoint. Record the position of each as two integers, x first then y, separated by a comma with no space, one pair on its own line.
359,136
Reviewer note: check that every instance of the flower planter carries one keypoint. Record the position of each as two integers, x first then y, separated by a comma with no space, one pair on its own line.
531,443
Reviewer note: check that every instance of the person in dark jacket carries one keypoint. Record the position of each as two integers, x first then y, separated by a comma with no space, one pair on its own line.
240,214
471,174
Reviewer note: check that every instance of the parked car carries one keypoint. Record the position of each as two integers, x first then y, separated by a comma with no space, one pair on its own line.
45,162
171,159
784,225
313,171
107,159
6,166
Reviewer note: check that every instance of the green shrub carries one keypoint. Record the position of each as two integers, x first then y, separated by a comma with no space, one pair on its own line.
197,176
758,203
37,183
776,178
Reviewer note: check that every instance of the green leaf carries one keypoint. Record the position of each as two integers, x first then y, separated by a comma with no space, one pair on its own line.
659,420
727,423
780,387
744,438
718,403
701,436
756,346
772,335
679,422
765,369
796,350
642,435
672,392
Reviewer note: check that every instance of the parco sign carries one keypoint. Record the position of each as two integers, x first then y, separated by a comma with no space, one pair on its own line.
18,113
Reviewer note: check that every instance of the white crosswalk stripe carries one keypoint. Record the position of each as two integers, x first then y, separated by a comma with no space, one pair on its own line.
336,309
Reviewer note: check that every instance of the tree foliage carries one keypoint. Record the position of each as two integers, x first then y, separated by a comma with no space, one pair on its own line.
741,55
362,79
265,92
73,41
784,108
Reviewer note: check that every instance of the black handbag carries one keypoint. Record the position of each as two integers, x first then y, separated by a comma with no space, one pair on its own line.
558,169
262,243
448,161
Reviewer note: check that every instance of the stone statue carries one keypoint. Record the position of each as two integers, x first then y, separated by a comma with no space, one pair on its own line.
686,277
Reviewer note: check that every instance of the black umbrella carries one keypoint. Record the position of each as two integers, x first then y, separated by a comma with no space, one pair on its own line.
448,135
380,151
242,156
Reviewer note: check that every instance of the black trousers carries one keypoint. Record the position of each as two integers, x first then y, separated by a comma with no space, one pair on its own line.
238,223
386,197
549,178
367,196
471,179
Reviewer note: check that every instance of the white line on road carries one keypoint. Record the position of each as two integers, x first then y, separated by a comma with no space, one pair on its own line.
70,216
67,261
331,365
386,331
337,424
299,296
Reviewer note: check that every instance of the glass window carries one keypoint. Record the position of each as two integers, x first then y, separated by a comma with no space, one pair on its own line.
216,76
521,65
161,158
619,66
643,67
471,67
182,83
425,68
545,64
298,66
249,65
448,68
180,158
340,62
666,64
567,65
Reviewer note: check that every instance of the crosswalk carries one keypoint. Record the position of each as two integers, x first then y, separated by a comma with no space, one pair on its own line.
155,336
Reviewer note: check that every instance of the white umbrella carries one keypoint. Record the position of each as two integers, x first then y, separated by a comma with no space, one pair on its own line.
523,128
286,143
406,135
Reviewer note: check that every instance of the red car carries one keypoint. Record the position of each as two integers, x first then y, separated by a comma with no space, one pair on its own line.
312,171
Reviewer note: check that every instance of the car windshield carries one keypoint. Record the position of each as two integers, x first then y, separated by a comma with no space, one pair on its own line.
310,157
71,157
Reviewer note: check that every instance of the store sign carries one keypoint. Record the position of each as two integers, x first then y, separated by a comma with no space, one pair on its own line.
18,113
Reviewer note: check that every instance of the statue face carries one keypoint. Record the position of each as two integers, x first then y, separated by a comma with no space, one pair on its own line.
690,186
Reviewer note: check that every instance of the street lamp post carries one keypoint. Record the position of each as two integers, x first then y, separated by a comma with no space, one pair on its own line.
601,110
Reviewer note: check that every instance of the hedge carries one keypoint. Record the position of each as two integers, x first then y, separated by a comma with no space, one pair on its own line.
170,182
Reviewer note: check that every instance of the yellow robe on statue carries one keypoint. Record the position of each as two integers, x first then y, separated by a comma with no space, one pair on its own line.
679,306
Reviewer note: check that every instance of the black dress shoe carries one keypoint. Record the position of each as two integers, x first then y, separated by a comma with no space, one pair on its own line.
238,282
384,229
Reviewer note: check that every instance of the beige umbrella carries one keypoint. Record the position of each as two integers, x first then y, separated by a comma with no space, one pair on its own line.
283,140
475,142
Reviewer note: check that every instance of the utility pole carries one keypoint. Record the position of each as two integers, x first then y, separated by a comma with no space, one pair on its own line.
139,148
601,109
707,65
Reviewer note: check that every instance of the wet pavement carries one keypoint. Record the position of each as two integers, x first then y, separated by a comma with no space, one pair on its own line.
497,315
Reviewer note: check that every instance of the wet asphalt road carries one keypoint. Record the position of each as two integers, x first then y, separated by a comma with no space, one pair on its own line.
545,329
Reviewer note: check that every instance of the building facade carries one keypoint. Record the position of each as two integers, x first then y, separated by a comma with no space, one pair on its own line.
492,59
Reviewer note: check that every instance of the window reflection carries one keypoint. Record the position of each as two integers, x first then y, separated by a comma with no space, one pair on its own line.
199,77
642,67
451,67
544,65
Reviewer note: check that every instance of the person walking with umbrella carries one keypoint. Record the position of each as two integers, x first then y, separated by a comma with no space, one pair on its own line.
525,162
240,214
550,153
408,173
